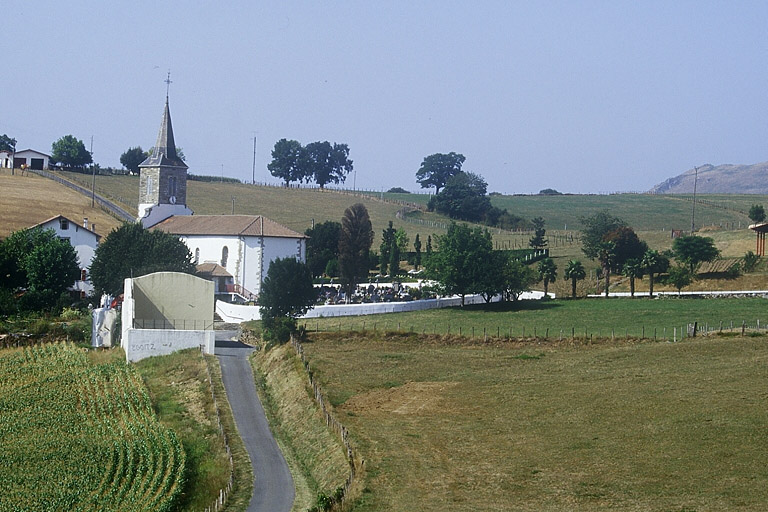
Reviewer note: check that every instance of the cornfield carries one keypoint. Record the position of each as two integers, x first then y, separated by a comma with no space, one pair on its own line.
81,437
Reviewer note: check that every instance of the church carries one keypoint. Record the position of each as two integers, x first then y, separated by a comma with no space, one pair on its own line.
234,251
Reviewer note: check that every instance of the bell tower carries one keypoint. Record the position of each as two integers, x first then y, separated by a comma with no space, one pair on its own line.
163,177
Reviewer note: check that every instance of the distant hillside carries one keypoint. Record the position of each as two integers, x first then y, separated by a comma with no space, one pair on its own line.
721,179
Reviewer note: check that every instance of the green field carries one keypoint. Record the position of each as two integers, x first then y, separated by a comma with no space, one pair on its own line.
547,426
79,436
591,317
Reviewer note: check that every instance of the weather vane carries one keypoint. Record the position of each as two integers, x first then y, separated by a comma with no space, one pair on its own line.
168,83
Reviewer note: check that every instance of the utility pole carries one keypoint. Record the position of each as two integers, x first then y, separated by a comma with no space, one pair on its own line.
93,181
253,178
693,209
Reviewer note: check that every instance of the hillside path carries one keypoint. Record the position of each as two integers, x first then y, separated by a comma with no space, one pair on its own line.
273,489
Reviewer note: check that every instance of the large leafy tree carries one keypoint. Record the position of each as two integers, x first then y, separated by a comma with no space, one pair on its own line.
132,158
464,197
693,250
516,278
436,169
70,153
327,163
354,246
288,161
574,271
39,262
322,245
7,143
680,276
547,272
132,251
595,229
756,213
463,262
653,263
287,290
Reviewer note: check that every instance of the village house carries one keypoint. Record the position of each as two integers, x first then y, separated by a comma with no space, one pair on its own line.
83,239
233,251
28,158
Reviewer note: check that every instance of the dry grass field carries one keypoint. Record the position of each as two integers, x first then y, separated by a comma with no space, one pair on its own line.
30,199
448,424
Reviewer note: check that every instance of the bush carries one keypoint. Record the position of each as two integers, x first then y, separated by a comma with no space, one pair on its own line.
750,261
277,329
397,190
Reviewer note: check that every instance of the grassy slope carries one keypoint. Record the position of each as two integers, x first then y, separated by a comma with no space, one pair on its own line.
650,426
30,199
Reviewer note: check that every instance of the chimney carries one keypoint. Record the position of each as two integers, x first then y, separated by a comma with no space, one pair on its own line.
93,227
85,222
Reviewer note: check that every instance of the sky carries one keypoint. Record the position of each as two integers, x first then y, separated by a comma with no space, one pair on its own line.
582,97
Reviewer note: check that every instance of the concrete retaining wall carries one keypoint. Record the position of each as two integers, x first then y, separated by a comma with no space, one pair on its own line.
142,343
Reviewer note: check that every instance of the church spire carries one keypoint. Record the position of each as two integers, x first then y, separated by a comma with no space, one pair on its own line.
164,152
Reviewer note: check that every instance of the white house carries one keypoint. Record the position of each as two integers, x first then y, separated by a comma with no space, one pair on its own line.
27,157
242,246
234,251
83,239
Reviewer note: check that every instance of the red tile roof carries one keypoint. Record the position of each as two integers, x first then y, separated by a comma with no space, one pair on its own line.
232,225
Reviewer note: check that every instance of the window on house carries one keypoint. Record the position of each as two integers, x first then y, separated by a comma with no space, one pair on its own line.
224,256
64,224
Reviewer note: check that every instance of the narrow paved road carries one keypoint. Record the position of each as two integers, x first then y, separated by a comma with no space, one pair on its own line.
273,489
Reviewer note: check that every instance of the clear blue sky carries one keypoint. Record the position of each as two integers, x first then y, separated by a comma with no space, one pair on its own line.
577,96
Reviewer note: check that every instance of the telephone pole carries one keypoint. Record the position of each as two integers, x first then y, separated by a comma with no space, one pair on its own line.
693,209
253,177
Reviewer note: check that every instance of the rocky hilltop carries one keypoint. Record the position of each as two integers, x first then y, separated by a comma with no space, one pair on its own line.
720,179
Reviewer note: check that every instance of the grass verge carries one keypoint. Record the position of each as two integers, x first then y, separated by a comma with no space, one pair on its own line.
314,454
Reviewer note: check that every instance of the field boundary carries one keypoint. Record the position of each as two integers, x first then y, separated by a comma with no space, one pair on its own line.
356,463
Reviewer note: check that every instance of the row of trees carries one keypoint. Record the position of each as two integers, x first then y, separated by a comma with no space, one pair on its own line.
321,162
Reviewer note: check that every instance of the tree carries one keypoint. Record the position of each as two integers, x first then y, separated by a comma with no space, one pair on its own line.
354,245
627,246
402,240
537,240
633,269
547,272
417,248
436,169
463,198
463,261
394,260
653,264
385,249
132,251
606,256
756,213
7,143
287,290
693,250
322,245
516,278
288,161
132,158
574,271
70,152
39,262
595,229
326,163
680,276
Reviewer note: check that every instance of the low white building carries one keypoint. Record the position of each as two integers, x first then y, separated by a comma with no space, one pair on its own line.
242,245
27,157
83,239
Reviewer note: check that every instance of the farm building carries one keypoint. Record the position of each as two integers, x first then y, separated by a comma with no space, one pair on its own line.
235,250
28,157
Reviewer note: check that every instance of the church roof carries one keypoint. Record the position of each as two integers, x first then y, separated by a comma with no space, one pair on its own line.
212,270
164,152
225,225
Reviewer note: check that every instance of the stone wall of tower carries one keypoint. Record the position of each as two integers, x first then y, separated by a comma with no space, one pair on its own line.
149,181
165,192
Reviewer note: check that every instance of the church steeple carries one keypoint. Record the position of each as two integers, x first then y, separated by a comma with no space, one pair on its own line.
164,152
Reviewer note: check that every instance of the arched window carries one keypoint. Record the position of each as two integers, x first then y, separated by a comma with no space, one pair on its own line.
224,255
197,255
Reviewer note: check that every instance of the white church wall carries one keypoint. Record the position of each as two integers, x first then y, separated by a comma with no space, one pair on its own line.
252,263
275,247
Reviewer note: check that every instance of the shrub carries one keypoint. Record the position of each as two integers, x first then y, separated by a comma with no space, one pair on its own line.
750,261
277,329
397,190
